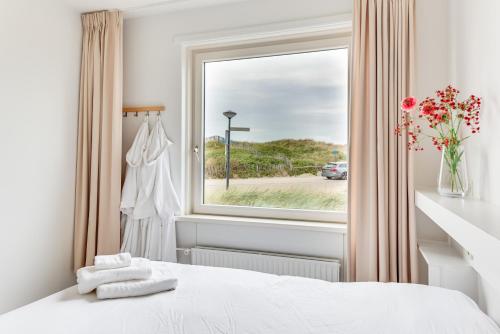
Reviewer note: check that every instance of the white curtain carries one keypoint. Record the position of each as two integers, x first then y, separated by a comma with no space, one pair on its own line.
149,201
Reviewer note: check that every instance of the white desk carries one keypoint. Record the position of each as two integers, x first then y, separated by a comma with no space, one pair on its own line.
473,224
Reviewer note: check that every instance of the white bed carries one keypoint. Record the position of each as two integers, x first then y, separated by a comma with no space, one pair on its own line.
219,300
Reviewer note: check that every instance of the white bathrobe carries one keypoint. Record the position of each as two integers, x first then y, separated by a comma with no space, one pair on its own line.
149,200
135,162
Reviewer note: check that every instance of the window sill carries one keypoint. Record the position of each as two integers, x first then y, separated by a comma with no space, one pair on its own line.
266,223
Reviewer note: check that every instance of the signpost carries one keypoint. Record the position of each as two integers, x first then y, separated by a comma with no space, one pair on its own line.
230,114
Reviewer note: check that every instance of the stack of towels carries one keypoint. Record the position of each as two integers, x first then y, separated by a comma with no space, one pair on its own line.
118,276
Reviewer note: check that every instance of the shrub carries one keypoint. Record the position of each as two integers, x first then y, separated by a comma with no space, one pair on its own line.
287,157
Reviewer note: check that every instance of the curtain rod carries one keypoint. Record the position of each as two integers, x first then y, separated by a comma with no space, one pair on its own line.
153,8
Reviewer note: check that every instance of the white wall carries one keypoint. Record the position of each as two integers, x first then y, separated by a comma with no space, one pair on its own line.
474,67
39,71
153,75
475,53
457,44
432,72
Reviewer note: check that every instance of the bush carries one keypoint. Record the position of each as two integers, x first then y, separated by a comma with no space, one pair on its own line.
285,157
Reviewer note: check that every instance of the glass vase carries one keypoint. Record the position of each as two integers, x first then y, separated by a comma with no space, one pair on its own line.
453,180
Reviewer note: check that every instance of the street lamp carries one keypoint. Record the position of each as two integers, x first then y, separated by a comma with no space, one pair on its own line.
230,114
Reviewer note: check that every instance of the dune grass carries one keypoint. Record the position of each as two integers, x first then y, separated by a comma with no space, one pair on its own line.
286,157
285,199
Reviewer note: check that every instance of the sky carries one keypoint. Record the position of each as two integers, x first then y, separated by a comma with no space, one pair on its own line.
297,96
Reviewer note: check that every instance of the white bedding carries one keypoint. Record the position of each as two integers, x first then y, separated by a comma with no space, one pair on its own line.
219,300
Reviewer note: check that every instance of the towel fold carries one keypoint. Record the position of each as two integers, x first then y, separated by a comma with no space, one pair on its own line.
136,288
89,278
102,262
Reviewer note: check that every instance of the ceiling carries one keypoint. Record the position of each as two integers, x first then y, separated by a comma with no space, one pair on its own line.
143,7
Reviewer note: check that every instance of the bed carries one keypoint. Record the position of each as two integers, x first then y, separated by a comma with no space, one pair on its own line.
220,300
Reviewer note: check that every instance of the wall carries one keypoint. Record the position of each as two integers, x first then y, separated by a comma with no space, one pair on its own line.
153,75
462,47
39,66
475,52
456,44
432,72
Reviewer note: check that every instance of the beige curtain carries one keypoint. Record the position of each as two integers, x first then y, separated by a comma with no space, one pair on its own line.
97,212
382,232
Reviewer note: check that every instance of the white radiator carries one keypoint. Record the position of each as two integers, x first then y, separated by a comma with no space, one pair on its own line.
272,263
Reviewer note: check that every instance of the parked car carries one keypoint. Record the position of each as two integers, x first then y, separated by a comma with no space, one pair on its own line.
335,170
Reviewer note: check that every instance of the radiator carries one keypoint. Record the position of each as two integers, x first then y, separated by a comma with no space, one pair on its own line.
272,263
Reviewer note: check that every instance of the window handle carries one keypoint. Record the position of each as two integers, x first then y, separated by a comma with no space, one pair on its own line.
196,151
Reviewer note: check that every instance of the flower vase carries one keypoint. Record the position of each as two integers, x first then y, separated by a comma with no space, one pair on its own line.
453,179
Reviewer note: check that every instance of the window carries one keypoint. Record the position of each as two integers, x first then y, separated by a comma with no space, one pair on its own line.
271,130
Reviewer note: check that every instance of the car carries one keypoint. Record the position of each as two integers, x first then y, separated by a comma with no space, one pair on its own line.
335,170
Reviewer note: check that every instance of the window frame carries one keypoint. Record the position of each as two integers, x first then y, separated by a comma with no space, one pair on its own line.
233,51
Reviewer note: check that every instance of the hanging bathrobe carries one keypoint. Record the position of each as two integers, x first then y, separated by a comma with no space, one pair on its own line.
148,222
134,159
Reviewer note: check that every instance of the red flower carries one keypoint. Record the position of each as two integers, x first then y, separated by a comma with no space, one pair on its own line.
408,103
445,115
427,108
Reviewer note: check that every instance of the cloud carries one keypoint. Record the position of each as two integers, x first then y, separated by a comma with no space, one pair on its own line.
292,96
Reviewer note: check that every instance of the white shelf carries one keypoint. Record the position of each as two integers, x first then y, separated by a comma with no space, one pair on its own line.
441,254
473,224
447,268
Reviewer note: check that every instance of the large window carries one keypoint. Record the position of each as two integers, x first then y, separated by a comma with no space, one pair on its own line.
271,130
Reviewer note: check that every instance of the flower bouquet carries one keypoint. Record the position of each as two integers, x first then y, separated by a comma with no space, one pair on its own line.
450,122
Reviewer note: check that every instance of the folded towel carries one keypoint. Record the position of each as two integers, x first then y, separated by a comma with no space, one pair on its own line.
121,260
89,278
136,288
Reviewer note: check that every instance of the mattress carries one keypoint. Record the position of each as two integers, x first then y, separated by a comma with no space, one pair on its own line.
220,300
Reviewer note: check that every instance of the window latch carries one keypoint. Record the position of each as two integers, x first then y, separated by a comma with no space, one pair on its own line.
196,151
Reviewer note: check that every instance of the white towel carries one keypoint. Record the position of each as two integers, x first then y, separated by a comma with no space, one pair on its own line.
89,278
121,260
136,288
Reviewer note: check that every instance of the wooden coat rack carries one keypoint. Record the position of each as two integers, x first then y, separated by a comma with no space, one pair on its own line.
146,109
